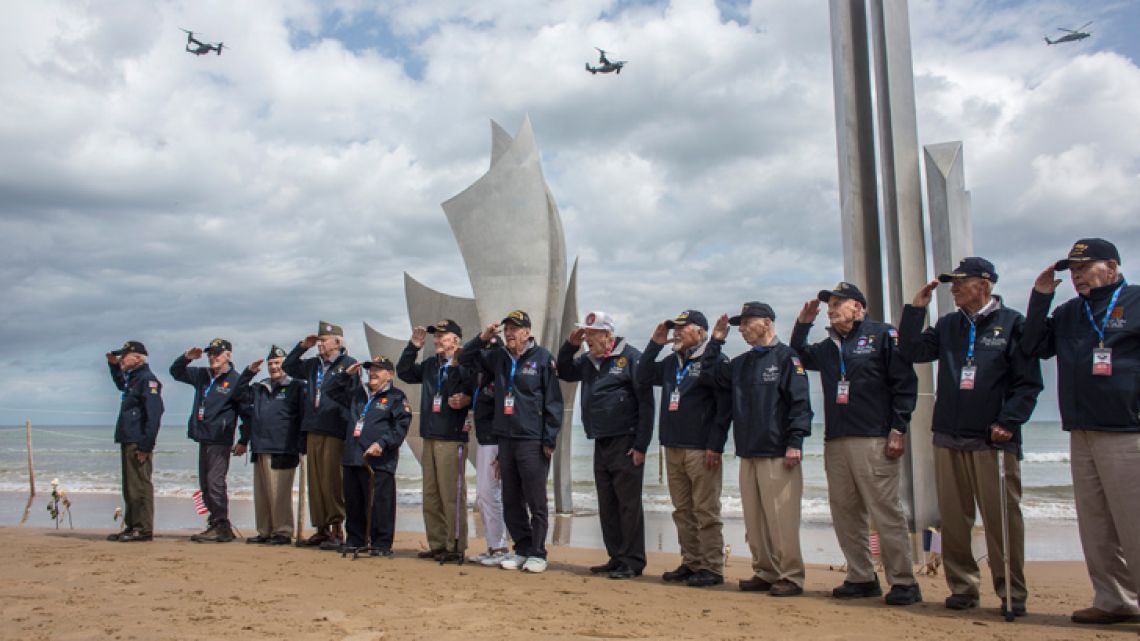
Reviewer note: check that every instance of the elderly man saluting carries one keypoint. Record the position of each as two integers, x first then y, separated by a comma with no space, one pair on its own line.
987,390
771,417
1096,339
869,392
617,412
140,416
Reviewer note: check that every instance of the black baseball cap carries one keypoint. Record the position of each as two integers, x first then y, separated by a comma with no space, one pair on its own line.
753,308
688,317
130,347
275,352
218,345
971,266
517,317
843,290
1087,250
446,325
381,362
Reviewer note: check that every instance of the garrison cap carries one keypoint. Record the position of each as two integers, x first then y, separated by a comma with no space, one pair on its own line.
327,328
971,266
753,308
275,352
1087,250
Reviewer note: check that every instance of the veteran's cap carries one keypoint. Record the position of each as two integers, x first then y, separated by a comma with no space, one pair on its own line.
517,317
327,328
843,290
444,326
218,345
971,266
275,352
688,317
597,320
130,347
753,308
1087,250
380,361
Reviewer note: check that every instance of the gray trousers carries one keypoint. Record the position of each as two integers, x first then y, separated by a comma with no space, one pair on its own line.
213,465
138,491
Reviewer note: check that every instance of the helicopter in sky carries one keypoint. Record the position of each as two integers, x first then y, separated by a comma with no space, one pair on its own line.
1071,35
199,48
605,65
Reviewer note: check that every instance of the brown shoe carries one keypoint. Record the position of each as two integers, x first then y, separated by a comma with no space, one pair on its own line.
429,554
1096,616
205,535
315,540
784,587
755,584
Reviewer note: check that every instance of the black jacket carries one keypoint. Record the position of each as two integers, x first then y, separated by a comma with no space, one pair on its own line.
446,424
329,416
273,412
614,400
538,396
771,405
704,412
140,409
1099,403
1007,384
883,386
216,396
385,416
483,411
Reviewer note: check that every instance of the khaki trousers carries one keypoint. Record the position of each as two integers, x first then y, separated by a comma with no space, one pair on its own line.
272,498
963,478
771,496
1106,486
442,472
695,492
138,490
325,478
862,486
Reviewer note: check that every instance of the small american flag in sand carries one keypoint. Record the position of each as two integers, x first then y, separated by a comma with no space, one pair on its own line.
199,504
875,544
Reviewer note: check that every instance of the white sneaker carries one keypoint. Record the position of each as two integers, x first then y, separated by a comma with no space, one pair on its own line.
493,558
512,561
535,564
479,558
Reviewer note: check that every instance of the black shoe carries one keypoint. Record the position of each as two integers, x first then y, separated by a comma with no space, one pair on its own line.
429,554
704,579
118,536
257,540
608,566
755,584
315,540
904,595
622,571
1018,608
135,536
961,602
279,539
682,573
784,587
451,557
858,590
331,545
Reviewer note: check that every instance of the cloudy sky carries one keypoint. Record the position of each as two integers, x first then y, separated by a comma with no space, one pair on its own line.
150,194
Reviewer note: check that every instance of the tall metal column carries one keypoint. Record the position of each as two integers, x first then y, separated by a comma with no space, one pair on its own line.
951,225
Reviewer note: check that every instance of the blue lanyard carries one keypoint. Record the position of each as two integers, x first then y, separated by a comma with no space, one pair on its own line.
682,373
511,381
442,378
842,361
321,374
1107,313
126,385
368,404
973,337
208,388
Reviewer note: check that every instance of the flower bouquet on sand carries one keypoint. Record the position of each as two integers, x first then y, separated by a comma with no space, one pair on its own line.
59,505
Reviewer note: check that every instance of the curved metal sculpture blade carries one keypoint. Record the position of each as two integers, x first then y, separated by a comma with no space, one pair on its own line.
380,343
500,142
426,306
563,483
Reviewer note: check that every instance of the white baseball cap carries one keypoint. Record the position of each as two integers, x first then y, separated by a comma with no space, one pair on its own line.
597,320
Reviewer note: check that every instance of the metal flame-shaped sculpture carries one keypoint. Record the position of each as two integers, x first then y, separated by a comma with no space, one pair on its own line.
523,269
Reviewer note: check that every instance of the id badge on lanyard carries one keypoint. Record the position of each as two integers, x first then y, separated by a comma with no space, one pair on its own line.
842,392
1102,356
1102,361
969,374
202,412
437,403
675,400
358,428
509,404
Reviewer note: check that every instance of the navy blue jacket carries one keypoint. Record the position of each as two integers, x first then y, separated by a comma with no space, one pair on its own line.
703,416
330,417
538,396
273,412
883,386
222,404
771,404
1007,382
1098,403
614,400
386,416
140,409
483,411
446,424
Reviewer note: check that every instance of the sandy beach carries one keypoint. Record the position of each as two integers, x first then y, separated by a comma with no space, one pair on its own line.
73,585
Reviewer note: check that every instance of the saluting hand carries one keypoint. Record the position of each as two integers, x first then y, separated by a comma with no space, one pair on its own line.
255,366
112,359
809,312
458,401
922,298
193,353
660,334
489,332
720,330
353,369
792,458
309,341
1046,282
418,334
576,337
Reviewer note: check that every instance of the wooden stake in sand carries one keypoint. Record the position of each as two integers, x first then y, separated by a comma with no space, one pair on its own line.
31,470
301,500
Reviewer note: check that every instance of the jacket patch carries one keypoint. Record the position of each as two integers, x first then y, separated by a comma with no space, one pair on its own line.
865,345
1116,319
799,366
994,338
771,374
530,369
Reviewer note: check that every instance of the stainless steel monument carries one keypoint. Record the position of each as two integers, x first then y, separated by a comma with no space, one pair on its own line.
510,236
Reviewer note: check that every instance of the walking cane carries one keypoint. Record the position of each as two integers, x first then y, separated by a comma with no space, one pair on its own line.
459,500
1005,535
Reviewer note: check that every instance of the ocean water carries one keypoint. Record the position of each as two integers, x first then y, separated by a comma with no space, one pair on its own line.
86,460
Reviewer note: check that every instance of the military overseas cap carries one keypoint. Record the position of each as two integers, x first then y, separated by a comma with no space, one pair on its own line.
275,352
381,362
844,290
218,345
130,347
1087,250
446,325
971,266
517,317
753,308
327,328
688,317
597,320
